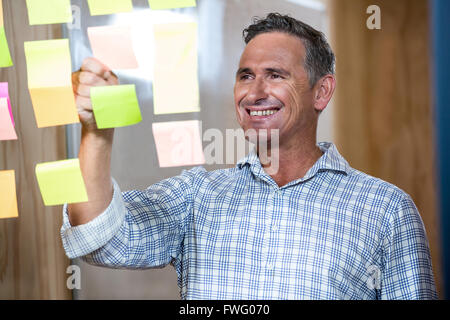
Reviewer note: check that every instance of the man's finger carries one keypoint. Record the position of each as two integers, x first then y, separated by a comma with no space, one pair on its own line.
89,78
83,103
95,66
83,90
111,78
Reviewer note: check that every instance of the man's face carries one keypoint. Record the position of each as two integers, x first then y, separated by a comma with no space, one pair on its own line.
271,80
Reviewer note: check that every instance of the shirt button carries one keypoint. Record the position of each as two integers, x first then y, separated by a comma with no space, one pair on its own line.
274,228
269,266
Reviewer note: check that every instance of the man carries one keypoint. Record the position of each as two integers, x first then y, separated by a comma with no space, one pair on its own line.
312,228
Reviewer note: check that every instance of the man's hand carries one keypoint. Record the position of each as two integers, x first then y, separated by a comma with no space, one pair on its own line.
92,73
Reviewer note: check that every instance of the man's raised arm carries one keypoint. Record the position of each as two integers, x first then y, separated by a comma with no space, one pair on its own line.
96,144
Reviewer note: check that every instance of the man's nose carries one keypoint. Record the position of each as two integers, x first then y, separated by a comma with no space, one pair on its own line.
257,91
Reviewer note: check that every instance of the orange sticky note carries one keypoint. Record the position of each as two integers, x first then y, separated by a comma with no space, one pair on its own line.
8,198
175,84
7,131
113,46
178,143
1,14
50,82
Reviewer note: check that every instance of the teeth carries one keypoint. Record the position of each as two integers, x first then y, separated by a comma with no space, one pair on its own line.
263,113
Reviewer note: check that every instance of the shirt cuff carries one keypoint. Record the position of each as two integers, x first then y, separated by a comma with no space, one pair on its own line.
83,239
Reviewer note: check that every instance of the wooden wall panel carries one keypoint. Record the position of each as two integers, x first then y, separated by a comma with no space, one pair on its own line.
32,260
384,117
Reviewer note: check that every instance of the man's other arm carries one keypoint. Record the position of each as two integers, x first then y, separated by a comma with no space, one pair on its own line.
407,270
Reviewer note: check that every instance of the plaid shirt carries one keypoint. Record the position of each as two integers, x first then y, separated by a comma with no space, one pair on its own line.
336,233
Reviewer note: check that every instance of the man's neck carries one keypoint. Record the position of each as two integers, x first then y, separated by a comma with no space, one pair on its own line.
286,164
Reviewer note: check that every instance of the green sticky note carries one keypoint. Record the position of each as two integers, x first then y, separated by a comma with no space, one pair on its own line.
61,182
171,4
115,106
101,7
5,56
49,11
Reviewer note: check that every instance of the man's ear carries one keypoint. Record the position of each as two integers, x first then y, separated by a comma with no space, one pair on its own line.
323,91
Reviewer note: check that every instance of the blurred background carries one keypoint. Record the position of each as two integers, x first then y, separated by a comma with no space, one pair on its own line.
387,119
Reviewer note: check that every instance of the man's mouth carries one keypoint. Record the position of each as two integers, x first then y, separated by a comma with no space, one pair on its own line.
254,112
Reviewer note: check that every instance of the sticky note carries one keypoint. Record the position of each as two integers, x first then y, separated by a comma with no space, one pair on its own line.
113,46
61,182
50,82
175,83
170,4
101,7
5,56
8,198
178,143
115,106
1,14
49,11
7,131
5,94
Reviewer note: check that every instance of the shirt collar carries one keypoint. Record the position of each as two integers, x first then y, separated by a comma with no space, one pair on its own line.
331,160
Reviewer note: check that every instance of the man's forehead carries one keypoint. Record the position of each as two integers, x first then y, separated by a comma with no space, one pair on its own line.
271,50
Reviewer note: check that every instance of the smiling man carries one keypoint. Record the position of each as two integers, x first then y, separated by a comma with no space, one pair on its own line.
313,228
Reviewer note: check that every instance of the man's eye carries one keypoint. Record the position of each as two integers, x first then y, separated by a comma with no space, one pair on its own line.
245,77
275,76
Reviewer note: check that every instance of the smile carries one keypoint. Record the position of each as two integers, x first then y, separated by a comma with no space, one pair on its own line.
265,112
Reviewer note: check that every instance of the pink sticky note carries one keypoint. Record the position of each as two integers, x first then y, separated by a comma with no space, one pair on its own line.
7,131
178,143
4,94
113,46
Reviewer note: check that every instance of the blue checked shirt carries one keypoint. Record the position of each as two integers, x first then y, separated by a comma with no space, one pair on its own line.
336,233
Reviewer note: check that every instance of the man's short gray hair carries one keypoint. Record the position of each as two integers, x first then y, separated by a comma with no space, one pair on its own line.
319,60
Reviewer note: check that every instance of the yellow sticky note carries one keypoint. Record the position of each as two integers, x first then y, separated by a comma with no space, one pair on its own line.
49,82
170,4
100,7
175,83
49,11
113,46
61,182
8,198
7,131
5,56
115,106
178,143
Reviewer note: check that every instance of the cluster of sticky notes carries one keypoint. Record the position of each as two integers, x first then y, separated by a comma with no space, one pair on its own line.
8,199
50,82
113,46
175,68
49,11
61,182
178,143
5,56
115,106
7,131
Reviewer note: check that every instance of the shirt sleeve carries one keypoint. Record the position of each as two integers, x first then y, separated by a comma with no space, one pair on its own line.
139,229
407,270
